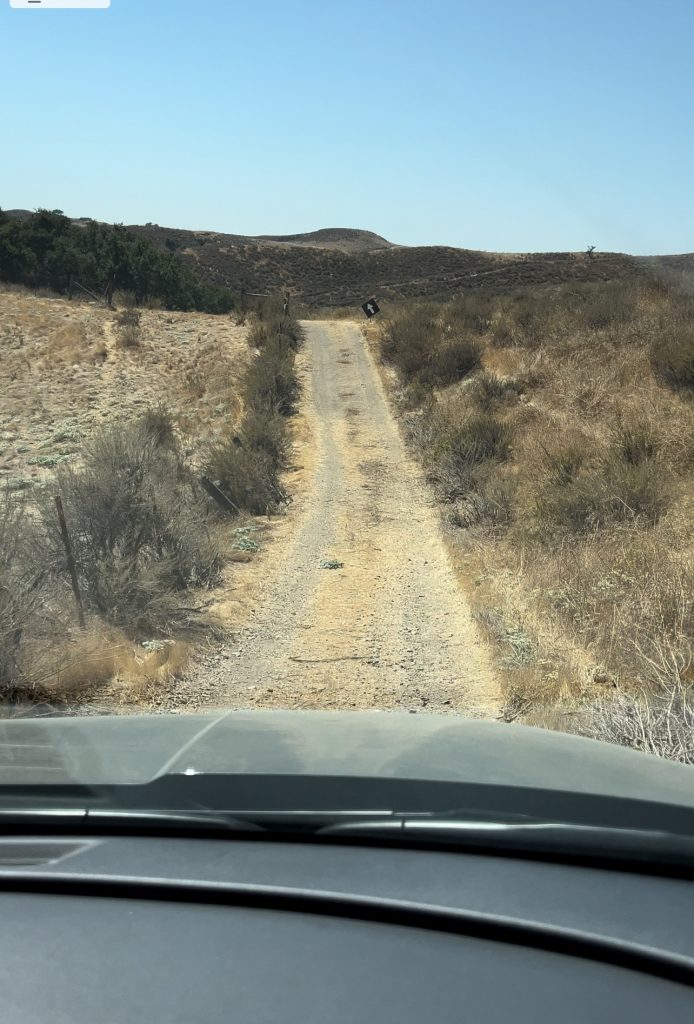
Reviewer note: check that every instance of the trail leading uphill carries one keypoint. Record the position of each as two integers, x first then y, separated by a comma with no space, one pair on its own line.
389,627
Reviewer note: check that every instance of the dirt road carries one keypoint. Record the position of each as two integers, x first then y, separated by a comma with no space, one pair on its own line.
389,628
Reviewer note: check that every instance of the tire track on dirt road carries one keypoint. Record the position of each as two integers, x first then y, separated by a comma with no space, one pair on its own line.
390,628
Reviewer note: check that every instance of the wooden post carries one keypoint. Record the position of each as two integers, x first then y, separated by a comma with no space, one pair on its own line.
70,560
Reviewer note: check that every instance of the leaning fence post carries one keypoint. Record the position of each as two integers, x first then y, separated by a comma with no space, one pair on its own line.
70,560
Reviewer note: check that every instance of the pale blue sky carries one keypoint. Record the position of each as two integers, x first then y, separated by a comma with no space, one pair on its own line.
492,124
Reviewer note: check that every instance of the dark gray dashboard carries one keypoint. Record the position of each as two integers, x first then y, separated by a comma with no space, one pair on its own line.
76,957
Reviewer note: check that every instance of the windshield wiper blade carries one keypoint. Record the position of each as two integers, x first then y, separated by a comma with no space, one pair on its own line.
70,819
543,840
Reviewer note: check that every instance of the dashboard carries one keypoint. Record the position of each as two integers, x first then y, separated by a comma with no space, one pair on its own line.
130,929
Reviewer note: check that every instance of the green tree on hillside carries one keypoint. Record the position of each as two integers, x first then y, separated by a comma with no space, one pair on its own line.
49,250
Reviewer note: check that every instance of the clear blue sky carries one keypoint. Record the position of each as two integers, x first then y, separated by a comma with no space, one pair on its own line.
489,124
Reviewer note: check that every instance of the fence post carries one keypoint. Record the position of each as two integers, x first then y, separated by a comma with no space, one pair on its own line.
70,560
222,499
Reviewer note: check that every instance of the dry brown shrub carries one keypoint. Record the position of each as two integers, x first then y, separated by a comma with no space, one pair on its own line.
597,489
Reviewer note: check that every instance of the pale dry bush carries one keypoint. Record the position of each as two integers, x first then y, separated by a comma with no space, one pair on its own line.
657,720
129,337
67,668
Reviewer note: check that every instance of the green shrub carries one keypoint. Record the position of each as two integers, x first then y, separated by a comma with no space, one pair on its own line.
564,465
158,424
639,493
487,499
267,433
491,389
258,335
479,438
49,250
247,463
271,385
458,450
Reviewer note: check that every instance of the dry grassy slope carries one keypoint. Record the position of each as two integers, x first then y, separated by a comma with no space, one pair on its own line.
64,374
578,613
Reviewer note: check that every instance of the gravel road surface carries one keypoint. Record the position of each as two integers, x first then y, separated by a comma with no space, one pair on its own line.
388,627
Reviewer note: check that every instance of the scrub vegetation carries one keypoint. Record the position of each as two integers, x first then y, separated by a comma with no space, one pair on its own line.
560,441
146,537
49,250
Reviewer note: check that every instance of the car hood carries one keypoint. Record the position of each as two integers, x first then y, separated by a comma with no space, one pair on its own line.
124,750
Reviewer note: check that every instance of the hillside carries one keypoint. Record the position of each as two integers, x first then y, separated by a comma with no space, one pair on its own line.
337,267
558,432
342,266
66,372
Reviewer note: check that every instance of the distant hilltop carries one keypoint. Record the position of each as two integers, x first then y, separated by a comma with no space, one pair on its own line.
345,239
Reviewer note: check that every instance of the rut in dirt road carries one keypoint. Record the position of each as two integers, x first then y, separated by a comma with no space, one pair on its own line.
390,629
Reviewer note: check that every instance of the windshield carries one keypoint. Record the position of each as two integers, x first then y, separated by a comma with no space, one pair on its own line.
348,366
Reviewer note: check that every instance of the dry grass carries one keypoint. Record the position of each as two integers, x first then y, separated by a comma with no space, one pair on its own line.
65,373
569,462
100,665
129,337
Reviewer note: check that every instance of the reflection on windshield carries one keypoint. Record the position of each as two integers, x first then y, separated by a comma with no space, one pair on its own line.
440,464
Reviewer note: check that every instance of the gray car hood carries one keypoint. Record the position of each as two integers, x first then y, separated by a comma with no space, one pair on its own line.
122,750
